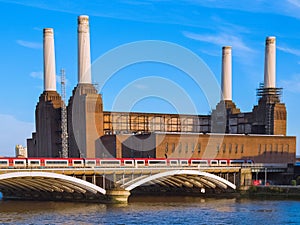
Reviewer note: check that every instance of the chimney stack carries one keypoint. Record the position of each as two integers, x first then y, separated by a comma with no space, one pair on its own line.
226,73
270,63
84,55
49,61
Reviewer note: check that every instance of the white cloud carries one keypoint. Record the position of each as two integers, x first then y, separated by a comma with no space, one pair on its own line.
221,40
245,5
38,29
289,50
38,75
13,132
29,44
292,85
294,2
210,52
147,10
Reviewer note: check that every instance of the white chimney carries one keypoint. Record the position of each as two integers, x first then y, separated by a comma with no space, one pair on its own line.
49,61
226,73
270,63
84,55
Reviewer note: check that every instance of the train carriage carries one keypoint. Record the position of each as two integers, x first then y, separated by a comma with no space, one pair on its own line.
117,162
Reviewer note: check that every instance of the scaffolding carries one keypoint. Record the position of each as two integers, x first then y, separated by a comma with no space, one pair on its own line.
64,123
262,91
270,96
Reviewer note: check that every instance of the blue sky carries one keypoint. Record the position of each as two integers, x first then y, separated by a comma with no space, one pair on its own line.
203,27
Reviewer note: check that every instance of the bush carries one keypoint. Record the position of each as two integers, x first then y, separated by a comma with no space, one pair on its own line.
253,189
294,182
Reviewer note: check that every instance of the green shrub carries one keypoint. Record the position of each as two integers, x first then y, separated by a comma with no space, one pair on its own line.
253,189
294,182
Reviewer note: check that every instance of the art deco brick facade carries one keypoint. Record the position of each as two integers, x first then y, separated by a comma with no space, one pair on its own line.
259,148
46,141
85,121
93,132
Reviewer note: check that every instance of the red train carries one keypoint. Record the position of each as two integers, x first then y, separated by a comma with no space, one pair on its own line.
116,162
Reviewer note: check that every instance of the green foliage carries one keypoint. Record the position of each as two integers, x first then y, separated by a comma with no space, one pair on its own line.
294,182
253,189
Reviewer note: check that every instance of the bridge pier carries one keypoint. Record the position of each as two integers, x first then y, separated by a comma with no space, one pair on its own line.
117,196
245,178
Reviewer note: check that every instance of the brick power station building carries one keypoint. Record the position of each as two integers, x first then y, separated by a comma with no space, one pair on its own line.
259,135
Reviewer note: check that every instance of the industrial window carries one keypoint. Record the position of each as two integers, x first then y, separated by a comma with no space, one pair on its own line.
236,148
173,147
193,148
230,146
186,148
218,149
259,148
242,148
106,118
224,148
166,150
199,148
179,147
276,148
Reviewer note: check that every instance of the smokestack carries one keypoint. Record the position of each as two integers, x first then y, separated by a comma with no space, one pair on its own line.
226,73
270,63
84,55
49,61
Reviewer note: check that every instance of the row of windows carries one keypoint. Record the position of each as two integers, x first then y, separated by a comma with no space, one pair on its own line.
155,127
197,147
263,148
156,119
180,147
231,148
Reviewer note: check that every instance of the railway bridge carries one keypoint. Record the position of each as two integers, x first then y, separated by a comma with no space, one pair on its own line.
116,184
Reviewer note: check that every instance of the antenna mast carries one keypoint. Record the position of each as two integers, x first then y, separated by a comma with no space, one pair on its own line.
64,122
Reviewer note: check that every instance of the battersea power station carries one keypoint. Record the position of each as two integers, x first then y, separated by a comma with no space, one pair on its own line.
83,129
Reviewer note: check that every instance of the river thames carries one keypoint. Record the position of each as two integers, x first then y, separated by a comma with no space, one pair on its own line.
154,210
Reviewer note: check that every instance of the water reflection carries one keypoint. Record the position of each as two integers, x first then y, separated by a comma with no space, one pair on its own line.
152,210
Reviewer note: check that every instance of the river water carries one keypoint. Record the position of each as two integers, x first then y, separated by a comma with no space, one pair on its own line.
154,210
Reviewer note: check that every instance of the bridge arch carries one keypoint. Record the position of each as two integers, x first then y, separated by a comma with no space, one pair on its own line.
211,178
46,181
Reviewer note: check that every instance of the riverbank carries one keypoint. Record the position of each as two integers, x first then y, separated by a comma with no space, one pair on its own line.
281,191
